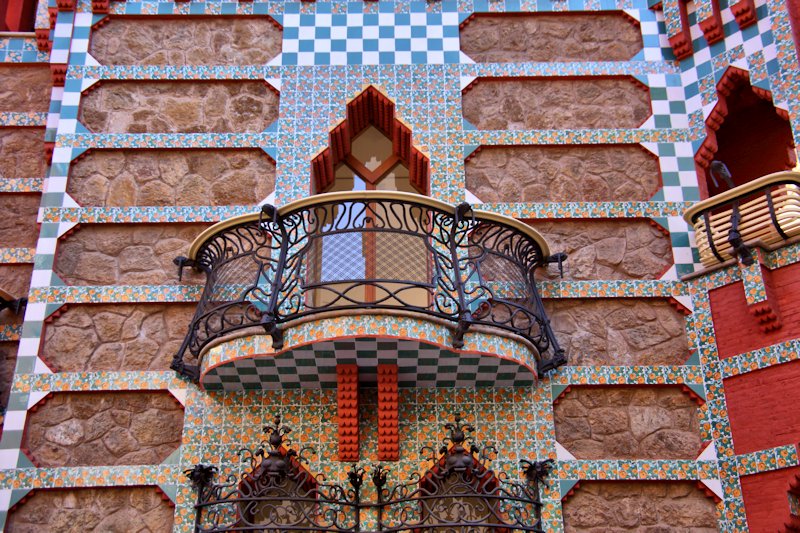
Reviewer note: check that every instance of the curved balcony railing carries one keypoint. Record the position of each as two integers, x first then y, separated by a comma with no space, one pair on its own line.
765,211
349,252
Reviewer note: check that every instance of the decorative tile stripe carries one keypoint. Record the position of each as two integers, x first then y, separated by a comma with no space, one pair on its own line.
612,289
17,255
8,118
618,136
776,354
99,381
90,476
118,294
21,184
10,332
93,215
174,72
627,375
637,469
575,68
21,50
589,209
767,460
165,140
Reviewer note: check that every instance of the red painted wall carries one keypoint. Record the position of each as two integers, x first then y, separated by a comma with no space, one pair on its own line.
766,501
737,330
762,407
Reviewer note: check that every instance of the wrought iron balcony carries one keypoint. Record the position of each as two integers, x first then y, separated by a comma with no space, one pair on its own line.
362,252
764,212
458,492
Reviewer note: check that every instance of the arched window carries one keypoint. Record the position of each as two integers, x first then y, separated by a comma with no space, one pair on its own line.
745,132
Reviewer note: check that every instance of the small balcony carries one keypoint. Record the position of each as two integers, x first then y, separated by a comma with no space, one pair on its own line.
421,276
764,212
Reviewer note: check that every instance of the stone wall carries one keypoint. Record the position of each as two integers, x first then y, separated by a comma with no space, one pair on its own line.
556,103
104,428
116,337
15,279
623,422
619,331
18,228
179,107
103,509
650,506
126,254
168,177
8,360
599,173
497,38
22,152
186,41
606,249
25,88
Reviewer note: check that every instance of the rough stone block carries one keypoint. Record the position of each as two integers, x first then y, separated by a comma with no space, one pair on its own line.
607,249
619,331
101,509
501,38
179,107
111,178
21,153
600,173
623,422
126,254
25,88
18,228
251,40
119,337
103,429
556,103
652,506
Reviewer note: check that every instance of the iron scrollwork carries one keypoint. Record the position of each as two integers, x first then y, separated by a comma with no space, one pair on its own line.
459,492
374,252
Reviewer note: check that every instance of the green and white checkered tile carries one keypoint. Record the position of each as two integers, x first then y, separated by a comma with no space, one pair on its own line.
314,366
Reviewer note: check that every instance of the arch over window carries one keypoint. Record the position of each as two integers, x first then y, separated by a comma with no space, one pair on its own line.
746,132
370,150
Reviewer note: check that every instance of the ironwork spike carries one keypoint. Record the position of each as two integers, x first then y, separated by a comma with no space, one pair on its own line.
379,476
200,475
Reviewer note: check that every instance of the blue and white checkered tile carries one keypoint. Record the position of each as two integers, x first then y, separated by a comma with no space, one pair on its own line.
370,38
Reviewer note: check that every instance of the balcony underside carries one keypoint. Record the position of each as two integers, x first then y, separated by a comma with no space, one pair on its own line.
421,349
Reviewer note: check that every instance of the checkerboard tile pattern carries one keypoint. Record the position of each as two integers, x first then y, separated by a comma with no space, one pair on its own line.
410,50
383,38
314,366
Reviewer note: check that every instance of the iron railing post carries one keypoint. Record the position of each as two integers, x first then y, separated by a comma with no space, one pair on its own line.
464,316
270,318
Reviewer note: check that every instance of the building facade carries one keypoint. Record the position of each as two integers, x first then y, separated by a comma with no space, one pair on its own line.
457,265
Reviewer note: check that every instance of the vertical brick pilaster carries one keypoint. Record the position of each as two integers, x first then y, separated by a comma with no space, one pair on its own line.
347,398
388,412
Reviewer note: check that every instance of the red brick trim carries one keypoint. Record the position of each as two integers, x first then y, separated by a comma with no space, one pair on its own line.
388,412
59,74
712,26
745,13
43,42
682,42
347,398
